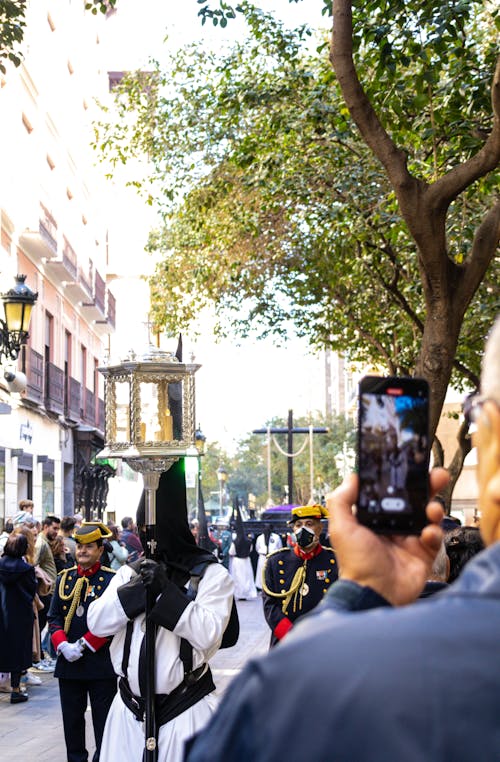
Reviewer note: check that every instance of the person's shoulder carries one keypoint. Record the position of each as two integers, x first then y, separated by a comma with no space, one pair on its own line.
281,554
108,571
328,550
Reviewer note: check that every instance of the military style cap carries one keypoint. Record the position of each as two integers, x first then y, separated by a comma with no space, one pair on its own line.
91,531
308,512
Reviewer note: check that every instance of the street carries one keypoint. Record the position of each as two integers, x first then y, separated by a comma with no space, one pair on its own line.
32,732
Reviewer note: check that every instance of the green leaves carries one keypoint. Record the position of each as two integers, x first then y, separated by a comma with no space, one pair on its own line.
12,25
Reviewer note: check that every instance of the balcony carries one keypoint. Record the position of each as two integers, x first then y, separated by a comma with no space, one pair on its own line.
106,325
88,414
96,309
34,375
42,243
54,391
63,268
100,415
73,399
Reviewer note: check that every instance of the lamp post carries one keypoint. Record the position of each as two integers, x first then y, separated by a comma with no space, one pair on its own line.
149,422
199,442
17,303
222,477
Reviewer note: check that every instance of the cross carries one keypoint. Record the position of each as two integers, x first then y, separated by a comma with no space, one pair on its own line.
291,430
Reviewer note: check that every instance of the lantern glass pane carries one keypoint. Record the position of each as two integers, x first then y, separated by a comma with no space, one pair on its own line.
156,421
14,312
122,432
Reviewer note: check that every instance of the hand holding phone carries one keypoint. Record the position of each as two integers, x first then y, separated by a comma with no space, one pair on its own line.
393,454
396,566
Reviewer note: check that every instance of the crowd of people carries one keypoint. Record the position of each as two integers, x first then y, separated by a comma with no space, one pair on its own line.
381,627
32,554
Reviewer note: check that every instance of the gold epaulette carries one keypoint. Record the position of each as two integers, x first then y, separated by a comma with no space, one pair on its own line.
108,568
280,550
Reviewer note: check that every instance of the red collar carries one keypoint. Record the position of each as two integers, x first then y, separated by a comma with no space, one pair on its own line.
89,572
306,556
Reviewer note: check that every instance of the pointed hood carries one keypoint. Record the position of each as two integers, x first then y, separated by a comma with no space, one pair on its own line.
176,545
242,544
204,540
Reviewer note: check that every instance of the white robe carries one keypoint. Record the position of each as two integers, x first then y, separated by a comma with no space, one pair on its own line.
242,573
263,550
202,623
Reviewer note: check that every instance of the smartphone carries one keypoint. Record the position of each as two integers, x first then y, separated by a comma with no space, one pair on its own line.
393,454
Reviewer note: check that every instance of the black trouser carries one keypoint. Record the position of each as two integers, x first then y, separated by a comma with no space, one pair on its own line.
73,695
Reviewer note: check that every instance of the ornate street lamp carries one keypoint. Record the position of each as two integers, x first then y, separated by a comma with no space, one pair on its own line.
149,422
17,303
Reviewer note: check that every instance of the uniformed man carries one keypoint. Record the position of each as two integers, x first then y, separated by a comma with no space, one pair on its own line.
83,663
295,579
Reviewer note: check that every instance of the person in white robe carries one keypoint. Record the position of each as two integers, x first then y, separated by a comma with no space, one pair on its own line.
201,621
266,542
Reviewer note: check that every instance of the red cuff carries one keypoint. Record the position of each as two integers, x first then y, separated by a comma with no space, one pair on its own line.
283,626
93,642
58,637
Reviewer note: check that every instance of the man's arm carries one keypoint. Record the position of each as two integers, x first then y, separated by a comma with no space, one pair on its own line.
394,567
273,612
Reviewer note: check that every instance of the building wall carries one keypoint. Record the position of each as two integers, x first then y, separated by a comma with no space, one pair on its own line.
54,229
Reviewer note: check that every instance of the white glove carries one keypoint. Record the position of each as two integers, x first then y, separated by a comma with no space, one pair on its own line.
70,651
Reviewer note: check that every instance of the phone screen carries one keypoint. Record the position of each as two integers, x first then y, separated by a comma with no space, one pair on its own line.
393,454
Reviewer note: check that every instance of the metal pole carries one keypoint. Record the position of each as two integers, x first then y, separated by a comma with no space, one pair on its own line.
269,488
151,482
290,459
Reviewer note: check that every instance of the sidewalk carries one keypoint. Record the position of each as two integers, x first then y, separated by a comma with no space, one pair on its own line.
32,732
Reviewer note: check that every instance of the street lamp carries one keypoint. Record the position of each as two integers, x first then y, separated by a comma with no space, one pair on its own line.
17,303
222,477
149,422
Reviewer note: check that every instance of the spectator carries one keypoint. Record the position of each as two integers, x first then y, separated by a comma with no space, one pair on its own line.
78,519
119,553
66,530
62,559
26,506
395,683
438,578
44,558
462,544
131,540
8,527
17,590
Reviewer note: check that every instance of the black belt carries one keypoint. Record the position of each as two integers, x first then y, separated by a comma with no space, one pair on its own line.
168,706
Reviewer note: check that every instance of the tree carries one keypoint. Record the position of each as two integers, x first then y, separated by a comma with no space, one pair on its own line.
247,468
277,223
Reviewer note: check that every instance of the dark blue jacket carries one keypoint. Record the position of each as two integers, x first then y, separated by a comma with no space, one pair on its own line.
94,664
419,683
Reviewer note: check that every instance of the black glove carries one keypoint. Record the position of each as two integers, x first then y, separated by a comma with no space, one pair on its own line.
153,575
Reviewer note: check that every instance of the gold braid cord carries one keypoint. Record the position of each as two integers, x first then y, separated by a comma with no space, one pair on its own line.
74,597
295,588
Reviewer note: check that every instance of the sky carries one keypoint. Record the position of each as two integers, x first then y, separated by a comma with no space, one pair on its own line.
239,387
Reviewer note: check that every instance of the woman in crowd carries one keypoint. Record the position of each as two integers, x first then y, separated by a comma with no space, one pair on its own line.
17,590
119,554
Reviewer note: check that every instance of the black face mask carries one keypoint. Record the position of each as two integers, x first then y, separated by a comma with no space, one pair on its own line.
304,537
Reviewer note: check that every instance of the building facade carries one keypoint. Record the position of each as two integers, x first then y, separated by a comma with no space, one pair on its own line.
54,230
